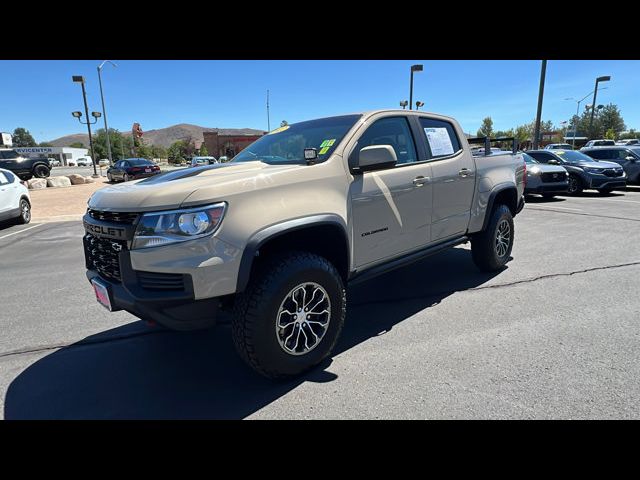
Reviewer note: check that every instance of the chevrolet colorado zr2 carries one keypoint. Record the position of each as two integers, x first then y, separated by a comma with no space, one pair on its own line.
276,234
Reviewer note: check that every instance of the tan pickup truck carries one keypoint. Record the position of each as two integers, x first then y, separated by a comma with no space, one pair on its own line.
277,234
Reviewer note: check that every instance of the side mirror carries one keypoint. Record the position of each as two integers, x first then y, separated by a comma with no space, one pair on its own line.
553,161
374,157
630,158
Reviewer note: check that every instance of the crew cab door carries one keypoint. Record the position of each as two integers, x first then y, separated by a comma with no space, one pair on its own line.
391,207
453,178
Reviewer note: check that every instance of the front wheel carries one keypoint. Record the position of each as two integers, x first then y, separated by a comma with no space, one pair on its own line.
491,248
125,178
575,185
290,316
109,178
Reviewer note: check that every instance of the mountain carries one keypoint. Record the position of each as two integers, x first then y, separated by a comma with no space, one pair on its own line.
164,136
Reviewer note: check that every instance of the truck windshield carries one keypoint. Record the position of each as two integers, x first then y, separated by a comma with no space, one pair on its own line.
285,145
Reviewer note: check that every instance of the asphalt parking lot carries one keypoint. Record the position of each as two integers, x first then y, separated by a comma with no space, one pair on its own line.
554,335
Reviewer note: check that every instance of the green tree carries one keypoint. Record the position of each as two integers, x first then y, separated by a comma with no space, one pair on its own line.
486,129
611,119
77,145
610,134
22,138
632,133
45,144
158,151
175,153
203,150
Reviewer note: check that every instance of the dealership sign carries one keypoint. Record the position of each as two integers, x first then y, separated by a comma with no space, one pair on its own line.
34,150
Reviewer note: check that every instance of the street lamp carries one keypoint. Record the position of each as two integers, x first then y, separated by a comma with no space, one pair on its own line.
104,109
404,104
414,68
419,104
80,79
595,94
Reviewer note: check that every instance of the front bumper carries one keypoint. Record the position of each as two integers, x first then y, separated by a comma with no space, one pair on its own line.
560,187
602,181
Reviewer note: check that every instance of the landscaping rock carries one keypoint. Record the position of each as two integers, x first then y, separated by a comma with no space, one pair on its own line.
89,180
76,179
37,183
58,182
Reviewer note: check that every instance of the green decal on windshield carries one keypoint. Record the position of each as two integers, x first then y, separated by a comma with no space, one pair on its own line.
328,143
323,150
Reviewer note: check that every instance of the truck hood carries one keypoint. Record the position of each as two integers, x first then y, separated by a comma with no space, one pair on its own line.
169,190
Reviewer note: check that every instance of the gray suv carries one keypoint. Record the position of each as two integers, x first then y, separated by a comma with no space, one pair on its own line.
584,171
627,157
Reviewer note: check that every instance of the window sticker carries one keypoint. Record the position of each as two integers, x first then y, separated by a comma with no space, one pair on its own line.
278,130
323,150
439,141
328,143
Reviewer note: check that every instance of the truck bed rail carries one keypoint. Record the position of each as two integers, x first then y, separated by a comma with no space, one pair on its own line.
486,141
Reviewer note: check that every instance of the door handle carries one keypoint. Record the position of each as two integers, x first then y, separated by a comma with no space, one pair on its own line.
464,172
420,180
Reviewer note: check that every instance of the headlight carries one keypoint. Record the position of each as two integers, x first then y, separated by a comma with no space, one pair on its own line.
162,228
593,170
535,171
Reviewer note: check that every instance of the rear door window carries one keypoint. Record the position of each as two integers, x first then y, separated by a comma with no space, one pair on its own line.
442,140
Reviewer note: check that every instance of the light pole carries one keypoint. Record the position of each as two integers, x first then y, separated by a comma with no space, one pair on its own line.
536,133
414,68
575,126
404,104
268,117
419,104
606,78
80,79
104,110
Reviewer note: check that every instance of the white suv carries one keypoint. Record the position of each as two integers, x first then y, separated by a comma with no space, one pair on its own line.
14,198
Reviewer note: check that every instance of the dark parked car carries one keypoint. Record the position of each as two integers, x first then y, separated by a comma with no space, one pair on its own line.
584,171
627,157
132,169
23,167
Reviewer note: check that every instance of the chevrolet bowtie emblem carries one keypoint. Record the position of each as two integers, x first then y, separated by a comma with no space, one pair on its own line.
116,246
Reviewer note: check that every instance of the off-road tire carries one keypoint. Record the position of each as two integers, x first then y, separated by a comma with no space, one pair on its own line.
41,171
575,185
484,249
256,310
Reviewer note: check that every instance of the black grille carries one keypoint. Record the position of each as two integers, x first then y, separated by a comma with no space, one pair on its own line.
549,176
117,217
160,281
611,172
102,255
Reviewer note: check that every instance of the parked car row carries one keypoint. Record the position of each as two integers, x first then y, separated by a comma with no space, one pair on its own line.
15,203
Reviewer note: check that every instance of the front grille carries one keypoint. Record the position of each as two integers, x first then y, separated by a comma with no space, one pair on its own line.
160,281
613,172
117,217
549,176
102,255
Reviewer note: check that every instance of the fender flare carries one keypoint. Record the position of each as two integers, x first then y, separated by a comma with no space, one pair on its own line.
492,197
273,231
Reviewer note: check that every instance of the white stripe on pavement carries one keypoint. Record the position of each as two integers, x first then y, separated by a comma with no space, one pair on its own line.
536,206
20,231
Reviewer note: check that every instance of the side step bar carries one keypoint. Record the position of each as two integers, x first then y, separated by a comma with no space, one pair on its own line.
369,273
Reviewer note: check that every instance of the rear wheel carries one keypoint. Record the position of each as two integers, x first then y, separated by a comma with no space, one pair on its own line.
41,171
575,185
491,248
25,212
290,316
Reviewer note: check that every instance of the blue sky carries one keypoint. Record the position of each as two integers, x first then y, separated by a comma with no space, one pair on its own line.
39,95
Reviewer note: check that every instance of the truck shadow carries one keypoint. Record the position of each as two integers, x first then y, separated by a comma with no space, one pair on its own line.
138,372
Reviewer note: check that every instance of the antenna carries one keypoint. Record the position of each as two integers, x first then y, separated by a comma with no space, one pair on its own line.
268,118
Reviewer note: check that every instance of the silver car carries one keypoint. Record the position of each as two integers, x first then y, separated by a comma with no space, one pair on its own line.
546,180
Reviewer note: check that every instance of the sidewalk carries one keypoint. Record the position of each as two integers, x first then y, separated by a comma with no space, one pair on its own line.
64,203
